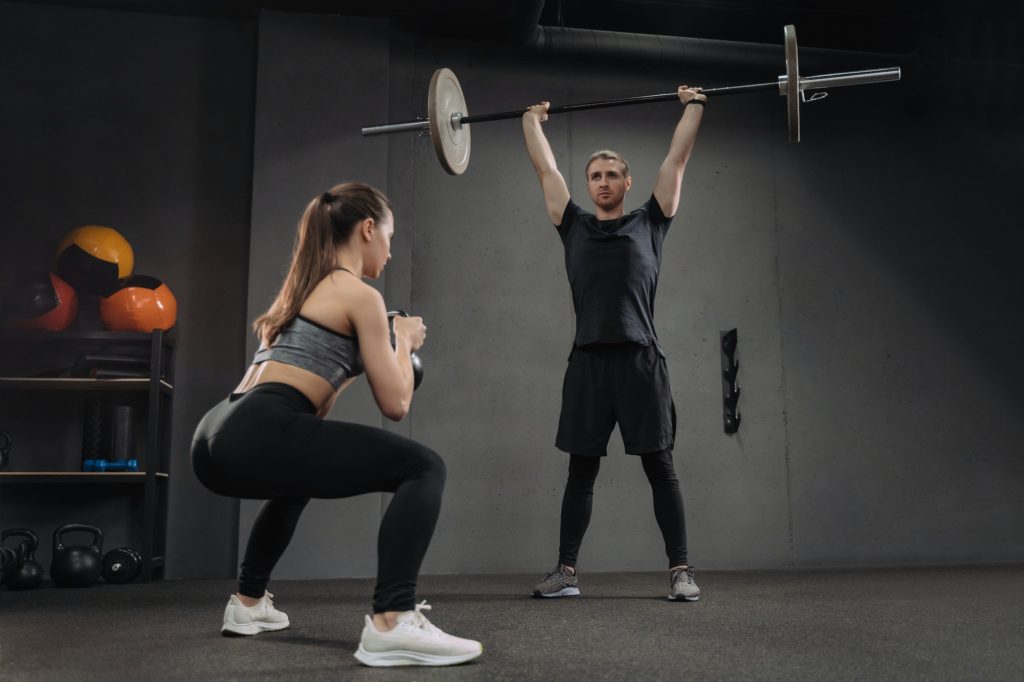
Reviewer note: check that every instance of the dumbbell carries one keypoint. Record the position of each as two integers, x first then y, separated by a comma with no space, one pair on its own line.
121,565
110,465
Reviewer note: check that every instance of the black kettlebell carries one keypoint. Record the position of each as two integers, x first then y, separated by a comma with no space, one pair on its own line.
80,565
121,565
417,363
23,572
7,558
6,442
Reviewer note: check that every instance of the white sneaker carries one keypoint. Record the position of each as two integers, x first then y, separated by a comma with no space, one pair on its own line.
240,619
414,641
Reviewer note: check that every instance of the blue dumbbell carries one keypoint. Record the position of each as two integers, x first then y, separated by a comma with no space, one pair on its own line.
102,465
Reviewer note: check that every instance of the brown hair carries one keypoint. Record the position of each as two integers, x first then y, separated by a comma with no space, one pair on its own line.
611,156
326,224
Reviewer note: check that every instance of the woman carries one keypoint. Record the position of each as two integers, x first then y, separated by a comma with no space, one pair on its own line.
268,440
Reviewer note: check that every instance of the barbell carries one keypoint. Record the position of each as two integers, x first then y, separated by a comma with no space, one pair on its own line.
448,117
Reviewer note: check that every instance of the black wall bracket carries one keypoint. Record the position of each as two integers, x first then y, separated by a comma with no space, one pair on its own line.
730,389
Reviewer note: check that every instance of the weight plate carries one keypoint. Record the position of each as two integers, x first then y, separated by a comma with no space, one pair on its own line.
792,83
451,142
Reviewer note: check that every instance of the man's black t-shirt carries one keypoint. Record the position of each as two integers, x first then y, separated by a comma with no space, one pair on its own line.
613,268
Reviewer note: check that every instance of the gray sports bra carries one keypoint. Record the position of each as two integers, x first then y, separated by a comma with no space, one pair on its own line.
324,352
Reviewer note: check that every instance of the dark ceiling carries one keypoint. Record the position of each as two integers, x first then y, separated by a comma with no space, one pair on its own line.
985,30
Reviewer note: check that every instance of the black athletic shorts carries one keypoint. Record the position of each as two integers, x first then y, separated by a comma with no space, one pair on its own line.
621,382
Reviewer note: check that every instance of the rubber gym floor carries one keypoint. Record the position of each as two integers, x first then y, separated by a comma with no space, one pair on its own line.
964,623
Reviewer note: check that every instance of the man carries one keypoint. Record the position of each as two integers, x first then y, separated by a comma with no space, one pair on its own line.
617,371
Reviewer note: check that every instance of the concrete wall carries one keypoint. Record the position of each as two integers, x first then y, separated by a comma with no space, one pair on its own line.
505,328
872,432
901,339
143,123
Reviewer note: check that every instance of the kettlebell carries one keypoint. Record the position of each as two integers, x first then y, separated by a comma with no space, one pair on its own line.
6,442
7,558
121,565
79,565
417,363
23,572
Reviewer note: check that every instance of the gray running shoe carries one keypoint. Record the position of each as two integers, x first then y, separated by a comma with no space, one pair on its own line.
683,587
557,583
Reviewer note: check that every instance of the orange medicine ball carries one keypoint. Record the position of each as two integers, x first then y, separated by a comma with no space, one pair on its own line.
142,304
42,300
93,258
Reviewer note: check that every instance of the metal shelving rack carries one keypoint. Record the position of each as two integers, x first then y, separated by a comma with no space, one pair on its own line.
153,478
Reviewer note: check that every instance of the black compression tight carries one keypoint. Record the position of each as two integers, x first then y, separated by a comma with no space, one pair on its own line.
267,444
578,501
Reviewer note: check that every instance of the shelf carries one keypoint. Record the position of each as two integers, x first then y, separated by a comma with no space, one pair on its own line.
135,477
66,384
108,356
78,336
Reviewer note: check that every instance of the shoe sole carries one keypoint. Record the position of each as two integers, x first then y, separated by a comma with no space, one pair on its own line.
674,598
392,659
235,630
564,592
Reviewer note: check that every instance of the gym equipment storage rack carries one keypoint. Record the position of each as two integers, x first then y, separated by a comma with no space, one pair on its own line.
22,354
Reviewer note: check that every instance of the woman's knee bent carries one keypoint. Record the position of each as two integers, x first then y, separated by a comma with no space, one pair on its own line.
430,465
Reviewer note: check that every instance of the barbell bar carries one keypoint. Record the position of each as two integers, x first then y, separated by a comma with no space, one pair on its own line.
448,117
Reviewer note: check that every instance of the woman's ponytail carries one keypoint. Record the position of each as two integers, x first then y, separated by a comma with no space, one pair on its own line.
326,224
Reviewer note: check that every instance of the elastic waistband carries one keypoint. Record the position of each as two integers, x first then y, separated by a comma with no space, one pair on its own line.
618,348
291,395
615,347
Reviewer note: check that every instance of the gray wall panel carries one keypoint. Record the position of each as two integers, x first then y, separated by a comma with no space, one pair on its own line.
873,414
506,322
904,430
310,106
485,259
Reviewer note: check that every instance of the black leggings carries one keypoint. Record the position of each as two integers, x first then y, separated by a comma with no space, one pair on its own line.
579,495
268,444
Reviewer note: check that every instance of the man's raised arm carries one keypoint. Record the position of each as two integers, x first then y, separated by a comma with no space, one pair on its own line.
556,193
670,177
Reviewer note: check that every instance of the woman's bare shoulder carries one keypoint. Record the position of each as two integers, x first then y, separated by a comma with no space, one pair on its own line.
338,299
